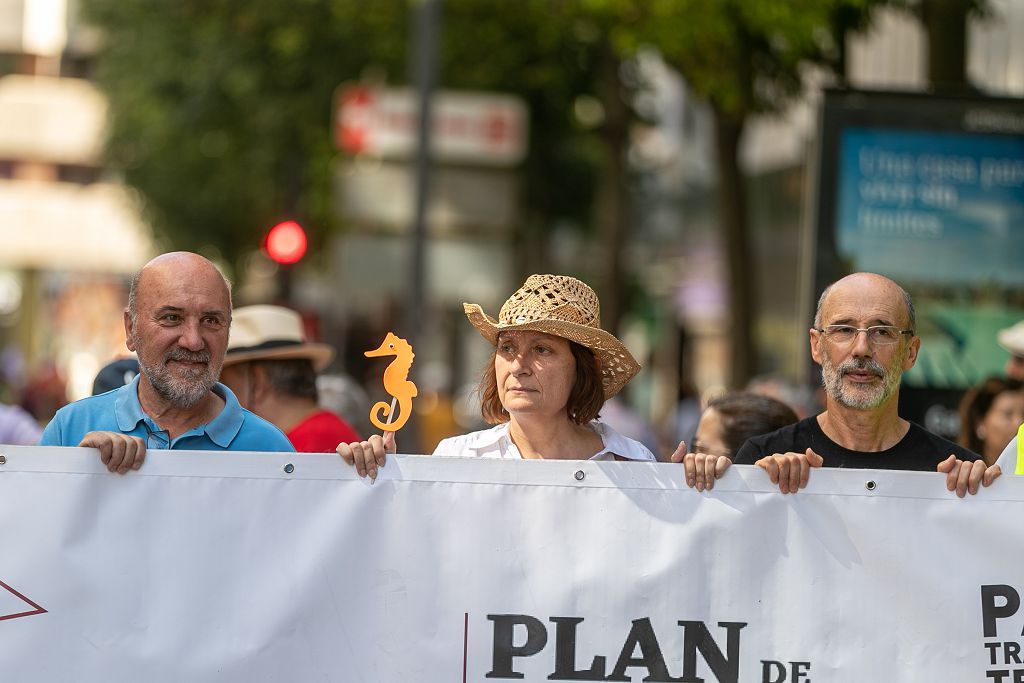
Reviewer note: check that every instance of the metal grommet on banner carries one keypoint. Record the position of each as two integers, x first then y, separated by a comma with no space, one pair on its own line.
289,468
870,485
3,459
580,474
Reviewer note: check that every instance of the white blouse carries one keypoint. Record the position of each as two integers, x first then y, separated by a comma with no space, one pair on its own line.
1007,459
496,443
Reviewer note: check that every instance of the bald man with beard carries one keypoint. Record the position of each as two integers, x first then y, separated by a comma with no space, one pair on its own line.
177,322
864,338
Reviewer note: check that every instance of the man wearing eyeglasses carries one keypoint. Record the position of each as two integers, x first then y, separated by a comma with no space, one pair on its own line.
177,321
864,339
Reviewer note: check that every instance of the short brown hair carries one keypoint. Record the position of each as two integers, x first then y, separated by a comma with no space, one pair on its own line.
745,414
585,400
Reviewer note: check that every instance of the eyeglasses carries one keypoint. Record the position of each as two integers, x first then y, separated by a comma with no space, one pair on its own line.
878,335
161,439
701,447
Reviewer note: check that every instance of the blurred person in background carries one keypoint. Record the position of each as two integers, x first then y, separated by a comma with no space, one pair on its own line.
115,375
176,321
44,392
18,427
1012,339
272,370
342,395
990,415
685,416
726,424
617,414
552,370
801,399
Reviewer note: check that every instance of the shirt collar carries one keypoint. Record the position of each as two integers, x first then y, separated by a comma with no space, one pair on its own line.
221,429
127,409
613,441
486,438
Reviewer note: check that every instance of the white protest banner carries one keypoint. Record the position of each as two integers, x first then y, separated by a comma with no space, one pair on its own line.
285,567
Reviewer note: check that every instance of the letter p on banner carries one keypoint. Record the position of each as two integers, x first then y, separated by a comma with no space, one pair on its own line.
990,611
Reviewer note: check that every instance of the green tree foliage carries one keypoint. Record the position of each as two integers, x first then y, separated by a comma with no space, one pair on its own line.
558,55
221,110
745,58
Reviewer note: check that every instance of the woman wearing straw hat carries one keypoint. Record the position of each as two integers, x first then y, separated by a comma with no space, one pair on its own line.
552,370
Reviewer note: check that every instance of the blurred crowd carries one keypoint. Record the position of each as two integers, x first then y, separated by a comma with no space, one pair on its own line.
990,413
293,382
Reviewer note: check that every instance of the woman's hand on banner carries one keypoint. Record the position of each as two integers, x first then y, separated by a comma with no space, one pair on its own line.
367,456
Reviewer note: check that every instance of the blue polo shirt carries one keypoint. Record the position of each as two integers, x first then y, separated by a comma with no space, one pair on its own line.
234,429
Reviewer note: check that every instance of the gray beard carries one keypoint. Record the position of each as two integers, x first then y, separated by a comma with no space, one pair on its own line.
180,392
862,398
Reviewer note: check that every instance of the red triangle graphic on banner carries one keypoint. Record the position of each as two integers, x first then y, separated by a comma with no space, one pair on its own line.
37,609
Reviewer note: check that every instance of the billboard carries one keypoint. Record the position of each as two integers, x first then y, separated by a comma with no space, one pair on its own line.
929,191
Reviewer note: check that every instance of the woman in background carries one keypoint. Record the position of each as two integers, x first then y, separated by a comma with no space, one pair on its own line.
726,423
990,415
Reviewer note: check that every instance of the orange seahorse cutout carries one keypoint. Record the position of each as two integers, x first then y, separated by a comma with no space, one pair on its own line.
396,383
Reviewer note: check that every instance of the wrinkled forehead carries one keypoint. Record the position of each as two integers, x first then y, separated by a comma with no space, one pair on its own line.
184,284
865,302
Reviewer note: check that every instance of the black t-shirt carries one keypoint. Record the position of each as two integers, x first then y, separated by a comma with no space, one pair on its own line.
918,450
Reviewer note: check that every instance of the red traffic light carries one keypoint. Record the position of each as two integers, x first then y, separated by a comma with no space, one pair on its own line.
286,242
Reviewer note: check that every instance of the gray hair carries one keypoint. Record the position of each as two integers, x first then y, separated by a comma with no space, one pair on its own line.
908,304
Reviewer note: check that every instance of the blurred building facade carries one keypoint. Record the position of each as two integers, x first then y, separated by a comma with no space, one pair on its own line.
70,232
777,153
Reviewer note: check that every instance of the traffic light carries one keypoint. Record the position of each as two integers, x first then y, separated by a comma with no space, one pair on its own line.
285,243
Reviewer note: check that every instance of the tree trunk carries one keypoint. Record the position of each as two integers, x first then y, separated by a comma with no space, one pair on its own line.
732,216
945,22
612,201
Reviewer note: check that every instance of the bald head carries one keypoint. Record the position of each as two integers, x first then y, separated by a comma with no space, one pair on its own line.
863,372
173,265
177,322
867,286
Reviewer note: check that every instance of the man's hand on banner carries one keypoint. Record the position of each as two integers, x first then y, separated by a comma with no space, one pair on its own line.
701,469
790,470
119,452
368,455
964,477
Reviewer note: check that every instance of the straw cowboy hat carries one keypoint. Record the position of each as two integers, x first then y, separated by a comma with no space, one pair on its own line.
272,333
565,307
1012,339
